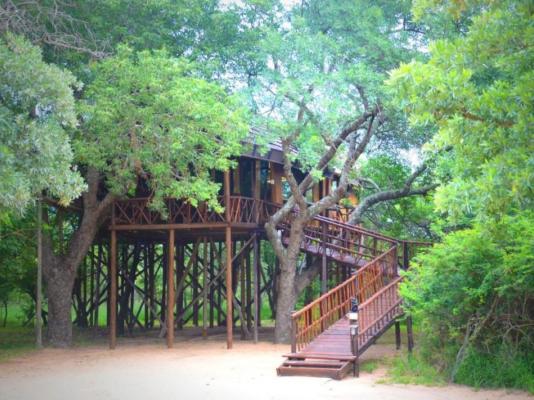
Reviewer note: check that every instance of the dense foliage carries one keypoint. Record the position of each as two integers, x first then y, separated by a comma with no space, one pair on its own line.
146,115
474,292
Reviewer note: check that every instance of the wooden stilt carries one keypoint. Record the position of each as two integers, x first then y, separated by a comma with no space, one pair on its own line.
205,279
256,275
170,290
409,330
113,292
397,335
228,239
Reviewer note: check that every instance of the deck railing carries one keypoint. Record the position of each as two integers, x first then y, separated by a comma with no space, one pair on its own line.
313,319
377,311
137,211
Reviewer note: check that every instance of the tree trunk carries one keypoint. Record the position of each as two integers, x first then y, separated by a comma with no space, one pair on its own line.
286,300
60,282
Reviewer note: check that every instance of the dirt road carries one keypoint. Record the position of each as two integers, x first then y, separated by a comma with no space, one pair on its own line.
197,369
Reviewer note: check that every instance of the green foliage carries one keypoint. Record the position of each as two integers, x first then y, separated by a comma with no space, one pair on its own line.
408,217
498,368
319,57
36,108
145,114
476,289
477,90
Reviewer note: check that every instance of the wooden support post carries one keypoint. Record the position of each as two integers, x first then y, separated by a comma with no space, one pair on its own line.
248,280
170,290
205,290
397,335
228,239
409,330
405,255
256,277
38,294
179,277
113,292
324,276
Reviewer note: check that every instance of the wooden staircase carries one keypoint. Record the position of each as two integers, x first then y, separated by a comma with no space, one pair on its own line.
322,344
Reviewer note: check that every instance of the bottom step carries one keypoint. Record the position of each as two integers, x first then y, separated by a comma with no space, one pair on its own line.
334,370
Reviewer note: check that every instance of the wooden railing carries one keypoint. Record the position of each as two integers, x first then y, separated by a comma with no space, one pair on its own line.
377,311
138,212
310,321
345,243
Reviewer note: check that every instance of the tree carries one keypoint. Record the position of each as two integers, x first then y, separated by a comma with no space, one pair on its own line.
476,90
322,96
473,293
144,116
36,110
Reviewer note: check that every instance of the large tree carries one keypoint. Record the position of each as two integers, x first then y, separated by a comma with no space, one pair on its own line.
321,94
144,116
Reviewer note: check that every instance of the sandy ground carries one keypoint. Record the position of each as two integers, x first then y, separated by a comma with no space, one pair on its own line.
198,369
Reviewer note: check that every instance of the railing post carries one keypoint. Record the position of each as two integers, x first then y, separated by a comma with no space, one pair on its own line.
405,255
293,335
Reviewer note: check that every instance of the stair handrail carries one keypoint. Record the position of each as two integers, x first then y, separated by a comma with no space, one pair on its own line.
314,318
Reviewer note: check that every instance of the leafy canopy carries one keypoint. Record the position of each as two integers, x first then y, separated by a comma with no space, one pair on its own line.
36,110
477,90
145,114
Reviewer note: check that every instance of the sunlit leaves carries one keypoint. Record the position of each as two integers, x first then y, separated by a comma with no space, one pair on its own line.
146,116
477,90
36,108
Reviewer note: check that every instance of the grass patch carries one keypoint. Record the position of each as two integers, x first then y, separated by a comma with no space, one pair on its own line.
497,369
15,341
369,366
412,369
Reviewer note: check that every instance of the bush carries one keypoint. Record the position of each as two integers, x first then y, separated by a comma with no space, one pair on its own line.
473,295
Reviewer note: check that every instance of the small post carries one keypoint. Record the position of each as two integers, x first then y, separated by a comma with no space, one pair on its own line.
409,330
293,335
38,305
405,255
353,326
397,335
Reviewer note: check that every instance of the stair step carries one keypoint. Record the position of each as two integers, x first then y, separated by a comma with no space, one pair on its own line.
334,373
320,356
314,364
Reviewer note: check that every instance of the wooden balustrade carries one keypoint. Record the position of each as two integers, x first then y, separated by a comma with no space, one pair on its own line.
138,212
313,319
377,311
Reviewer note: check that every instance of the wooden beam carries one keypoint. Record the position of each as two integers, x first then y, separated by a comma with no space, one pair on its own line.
113,292
170,290
409,330
397,335
228,239
256,276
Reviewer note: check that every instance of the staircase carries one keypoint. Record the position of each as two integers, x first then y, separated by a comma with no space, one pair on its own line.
322,344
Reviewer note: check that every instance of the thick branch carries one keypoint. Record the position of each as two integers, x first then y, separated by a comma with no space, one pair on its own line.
388,195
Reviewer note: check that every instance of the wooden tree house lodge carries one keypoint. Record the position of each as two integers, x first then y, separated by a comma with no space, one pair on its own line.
196,266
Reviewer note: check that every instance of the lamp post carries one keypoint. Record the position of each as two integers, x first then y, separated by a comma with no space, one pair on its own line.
353,326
